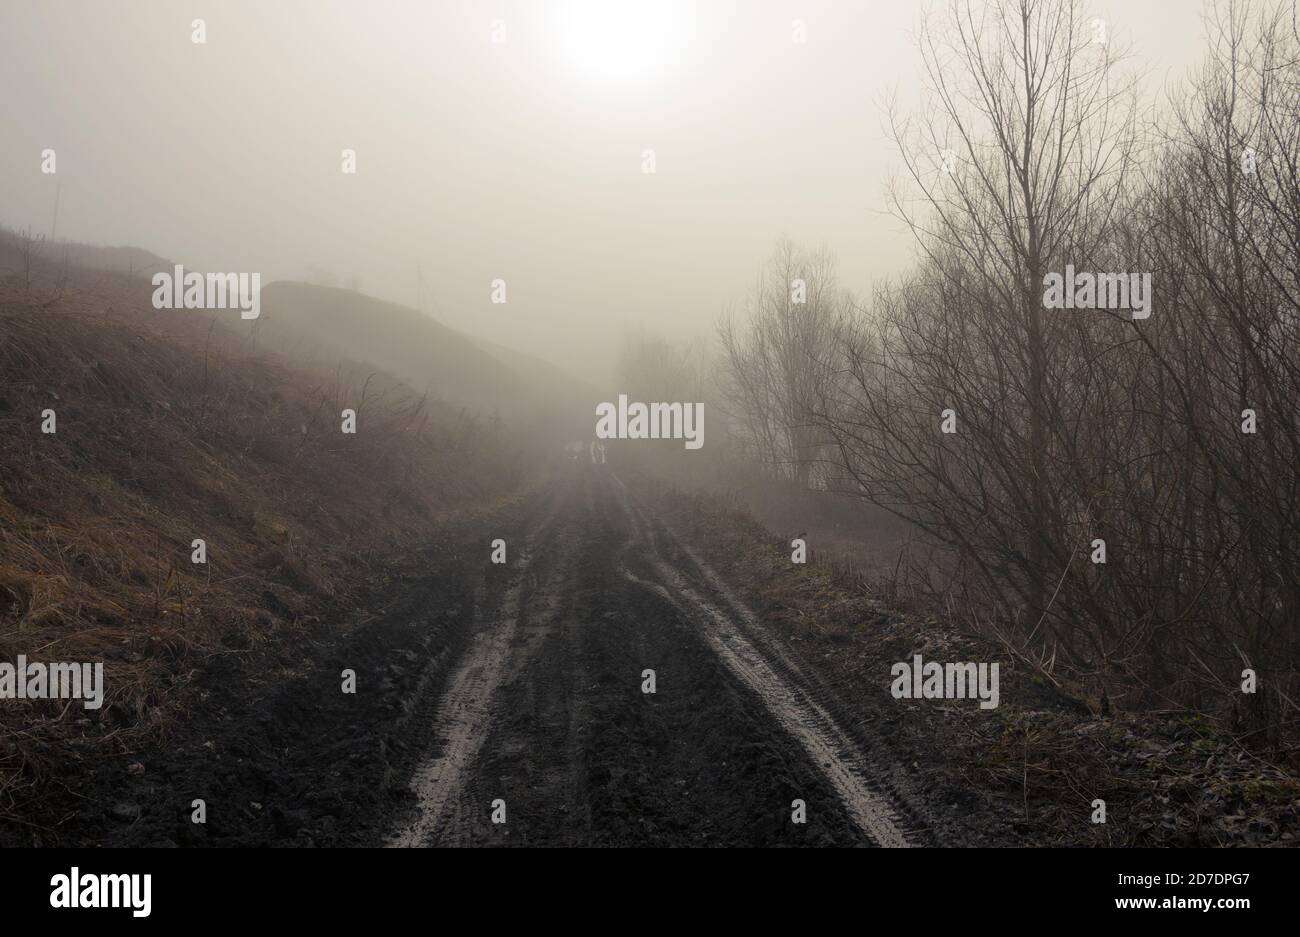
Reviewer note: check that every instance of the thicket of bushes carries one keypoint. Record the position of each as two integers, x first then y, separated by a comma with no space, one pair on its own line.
1033,153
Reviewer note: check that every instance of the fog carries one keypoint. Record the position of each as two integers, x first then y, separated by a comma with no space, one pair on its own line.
520,159
381,380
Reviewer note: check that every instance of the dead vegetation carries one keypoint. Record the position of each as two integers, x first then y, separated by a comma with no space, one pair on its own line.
1114,492
1043,756
171,428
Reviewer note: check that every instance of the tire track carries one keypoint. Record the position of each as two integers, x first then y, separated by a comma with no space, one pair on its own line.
802,716
466,709
545,709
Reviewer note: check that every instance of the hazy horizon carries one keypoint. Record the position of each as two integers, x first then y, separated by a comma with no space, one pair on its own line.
476,160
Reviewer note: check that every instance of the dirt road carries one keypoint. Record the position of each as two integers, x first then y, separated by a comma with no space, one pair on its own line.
516,689
517,692
545,723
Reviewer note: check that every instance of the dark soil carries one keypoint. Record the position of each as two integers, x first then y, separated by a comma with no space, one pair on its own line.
580,755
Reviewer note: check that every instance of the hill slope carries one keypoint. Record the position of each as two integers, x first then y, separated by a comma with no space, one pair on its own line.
320,323
129,433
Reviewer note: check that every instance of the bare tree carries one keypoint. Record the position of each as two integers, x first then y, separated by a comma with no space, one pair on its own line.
1080,427
779,355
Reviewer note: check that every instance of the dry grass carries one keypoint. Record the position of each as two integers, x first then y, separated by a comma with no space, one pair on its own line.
169,428
1168,778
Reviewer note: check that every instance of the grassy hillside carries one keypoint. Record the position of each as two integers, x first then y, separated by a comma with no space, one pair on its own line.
170,429
320,323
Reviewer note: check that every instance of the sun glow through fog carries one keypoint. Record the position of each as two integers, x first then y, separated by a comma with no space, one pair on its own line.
620,42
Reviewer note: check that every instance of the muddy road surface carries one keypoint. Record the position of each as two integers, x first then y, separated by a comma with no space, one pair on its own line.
545,721
515,692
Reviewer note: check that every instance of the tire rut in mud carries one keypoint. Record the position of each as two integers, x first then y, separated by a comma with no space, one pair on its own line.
581,756
526,679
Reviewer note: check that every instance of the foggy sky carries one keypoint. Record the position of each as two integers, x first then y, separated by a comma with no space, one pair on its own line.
520,160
